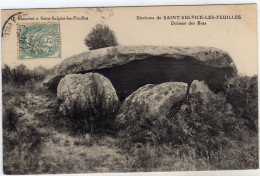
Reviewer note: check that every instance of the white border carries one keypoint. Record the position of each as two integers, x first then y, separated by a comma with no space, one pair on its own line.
19,4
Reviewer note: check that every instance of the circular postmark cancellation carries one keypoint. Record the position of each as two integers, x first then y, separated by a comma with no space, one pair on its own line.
39,40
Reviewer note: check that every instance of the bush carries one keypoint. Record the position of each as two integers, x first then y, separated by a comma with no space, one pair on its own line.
20,74
204,133
242,94
207,126
10,118
101,36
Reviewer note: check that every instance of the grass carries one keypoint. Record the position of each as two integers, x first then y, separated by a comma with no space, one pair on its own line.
44,142
37,139
20,74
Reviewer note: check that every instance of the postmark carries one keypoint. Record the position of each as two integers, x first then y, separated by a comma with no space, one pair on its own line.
6,29
39,40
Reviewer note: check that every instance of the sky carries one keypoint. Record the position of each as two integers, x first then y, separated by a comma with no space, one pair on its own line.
236,36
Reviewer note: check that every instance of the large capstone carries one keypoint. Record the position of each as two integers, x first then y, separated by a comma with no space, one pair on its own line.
131,67
86,91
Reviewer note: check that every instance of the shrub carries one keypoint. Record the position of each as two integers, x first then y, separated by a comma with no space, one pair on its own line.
202,133
206,126
20,74
242,94
10,118
101,36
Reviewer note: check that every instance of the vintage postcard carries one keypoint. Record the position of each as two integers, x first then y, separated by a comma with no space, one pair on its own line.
129,89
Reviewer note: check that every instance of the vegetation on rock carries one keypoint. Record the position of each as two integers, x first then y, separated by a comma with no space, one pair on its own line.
101,36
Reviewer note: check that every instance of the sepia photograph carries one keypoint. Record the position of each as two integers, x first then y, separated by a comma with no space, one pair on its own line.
129,89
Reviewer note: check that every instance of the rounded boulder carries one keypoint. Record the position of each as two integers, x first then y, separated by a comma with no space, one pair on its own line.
142,112
86,91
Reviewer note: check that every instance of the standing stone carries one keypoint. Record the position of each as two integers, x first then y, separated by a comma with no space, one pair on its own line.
150,104
86,91
200,88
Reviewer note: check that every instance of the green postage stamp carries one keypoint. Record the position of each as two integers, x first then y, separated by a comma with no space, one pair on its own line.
39,40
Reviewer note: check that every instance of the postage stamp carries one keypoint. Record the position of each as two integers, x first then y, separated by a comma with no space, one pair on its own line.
39,40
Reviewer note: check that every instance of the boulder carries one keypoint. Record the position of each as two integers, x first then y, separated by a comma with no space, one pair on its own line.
201,97
199,89
146,108
131,67
86,91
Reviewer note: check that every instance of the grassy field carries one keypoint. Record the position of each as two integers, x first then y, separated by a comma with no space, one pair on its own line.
38,139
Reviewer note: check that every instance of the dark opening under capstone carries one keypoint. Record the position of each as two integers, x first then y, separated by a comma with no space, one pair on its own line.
129,77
